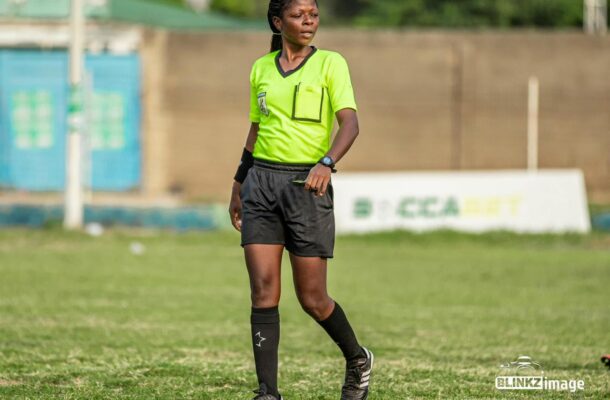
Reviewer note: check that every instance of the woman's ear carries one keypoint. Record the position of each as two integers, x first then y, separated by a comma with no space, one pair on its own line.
277,21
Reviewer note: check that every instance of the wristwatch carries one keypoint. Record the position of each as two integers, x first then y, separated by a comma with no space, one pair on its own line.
328,162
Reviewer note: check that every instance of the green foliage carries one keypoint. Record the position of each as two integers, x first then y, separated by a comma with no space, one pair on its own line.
431,13
241,8
472,13
550,13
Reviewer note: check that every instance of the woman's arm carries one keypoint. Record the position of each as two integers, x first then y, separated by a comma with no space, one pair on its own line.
252,136
319,176
348,131
235,204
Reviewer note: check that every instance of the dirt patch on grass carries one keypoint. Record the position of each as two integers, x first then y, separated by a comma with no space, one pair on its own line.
600,242
9,382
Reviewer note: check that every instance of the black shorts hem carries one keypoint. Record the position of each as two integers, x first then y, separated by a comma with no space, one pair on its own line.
259,242
300,254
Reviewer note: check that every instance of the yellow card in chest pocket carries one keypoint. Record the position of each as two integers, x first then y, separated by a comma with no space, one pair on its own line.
308,101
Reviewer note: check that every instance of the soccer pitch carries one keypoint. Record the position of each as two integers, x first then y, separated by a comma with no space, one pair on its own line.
84,318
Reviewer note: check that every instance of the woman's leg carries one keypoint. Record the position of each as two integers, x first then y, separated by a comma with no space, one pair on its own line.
264,268
309,274
310,283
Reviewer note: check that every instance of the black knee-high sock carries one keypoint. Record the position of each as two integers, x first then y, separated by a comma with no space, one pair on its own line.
265,340
339,329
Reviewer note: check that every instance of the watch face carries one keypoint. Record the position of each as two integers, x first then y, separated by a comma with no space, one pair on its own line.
327,161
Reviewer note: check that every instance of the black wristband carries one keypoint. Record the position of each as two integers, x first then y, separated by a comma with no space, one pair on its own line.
247,160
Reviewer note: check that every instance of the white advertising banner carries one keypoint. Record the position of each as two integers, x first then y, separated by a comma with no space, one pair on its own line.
521,201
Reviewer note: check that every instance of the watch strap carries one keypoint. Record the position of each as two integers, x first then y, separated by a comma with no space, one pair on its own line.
332,166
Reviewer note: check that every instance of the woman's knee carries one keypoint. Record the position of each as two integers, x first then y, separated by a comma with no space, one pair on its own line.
265,291
316,304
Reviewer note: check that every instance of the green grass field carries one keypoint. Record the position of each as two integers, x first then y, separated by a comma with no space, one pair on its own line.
83,318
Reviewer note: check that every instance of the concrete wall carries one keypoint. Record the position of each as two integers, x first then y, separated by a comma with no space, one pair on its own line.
428,101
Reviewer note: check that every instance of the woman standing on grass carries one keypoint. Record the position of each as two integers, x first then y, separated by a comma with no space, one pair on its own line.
282,195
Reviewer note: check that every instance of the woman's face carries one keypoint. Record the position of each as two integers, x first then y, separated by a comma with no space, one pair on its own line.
299,23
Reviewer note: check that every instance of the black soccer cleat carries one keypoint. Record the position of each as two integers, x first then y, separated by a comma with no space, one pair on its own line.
261,394
357,377
606,360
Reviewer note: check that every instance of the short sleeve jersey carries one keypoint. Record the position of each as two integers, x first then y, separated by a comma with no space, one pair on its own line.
296,109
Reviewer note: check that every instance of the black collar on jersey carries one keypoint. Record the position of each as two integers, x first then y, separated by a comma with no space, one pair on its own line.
292,71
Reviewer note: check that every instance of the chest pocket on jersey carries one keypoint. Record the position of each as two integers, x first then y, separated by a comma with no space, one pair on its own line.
307,103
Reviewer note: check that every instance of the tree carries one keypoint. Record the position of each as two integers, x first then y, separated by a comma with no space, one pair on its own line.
241,8
428,13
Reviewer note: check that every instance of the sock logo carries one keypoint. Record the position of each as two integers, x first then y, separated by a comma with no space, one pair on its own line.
261,339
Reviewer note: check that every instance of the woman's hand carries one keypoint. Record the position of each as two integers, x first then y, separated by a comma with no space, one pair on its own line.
235,206
318,179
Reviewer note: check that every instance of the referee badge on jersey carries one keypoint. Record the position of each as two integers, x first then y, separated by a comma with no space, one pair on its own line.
307,103
262,103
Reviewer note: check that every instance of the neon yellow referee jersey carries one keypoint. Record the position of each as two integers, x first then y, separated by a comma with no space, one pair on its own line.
296,109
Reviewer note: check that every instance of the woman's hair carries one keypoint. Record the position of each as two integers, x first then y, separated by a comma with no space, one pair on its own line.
276,9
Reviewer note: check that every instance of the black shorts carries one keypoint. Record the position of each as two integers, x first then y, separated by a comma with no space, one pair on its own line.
275,210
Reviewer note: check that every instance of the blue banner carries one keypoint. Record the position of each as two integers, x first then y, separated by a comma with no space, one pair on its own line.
34,97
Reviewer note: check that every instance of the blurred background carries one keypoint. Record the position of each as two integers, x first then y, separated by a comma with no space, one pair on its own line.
441,86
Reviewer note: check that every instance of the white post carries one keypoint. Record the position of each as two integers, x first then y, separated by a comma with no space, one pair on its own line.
595,19
602,17
73,207
588,11
532,124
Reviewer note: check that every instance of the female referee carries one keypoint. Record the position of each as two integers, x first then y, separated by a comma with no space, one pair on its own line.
282,195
